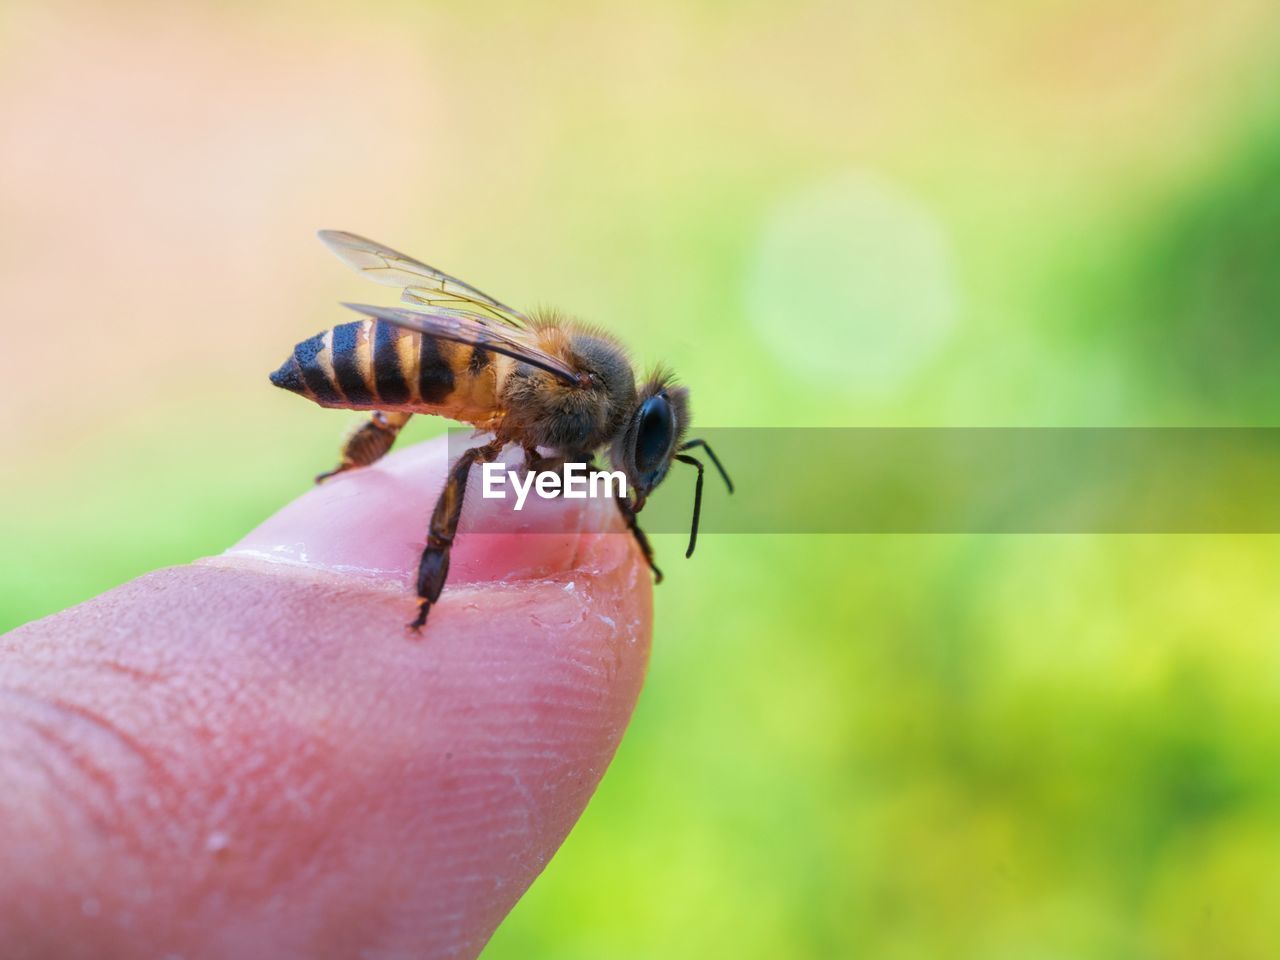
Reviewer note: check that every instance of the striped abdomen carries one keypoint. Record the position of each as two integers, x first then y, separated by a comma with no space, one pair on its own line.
374,365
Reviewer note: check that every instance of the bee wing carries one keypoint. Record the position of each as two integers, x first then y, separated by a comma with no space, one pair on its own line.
422,284
475,329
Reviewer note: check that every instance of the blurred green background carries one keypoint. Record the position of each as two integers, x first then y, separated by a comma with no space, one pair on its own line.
885,213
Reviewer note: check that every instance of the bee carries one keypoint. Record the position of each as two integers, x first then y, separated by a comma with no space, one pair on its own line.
542,382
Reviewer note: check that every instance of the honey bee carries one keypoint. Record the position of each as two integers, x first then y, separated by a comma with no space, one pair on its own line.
541,381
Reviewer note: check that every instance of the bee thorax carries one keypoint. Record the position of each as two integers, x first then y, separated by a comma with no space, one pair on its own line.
544,411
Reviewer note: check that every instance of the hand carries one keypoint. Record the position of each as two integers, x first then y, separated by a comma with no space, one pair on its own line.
251,757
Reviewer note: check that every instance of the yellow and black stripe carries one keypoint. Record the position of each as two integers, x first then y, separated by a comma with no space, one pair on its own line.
372,364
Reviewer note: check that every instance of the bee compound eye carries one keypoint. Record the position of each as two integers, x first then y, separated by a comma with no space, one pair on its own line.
655,429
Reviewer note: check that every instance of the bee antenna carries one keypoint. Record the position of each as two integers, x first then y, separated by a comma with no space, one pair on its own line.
697,502
689,445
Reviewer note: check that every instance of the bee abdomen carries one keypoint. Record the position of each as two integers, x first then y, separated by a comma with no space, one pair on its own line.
373,364
435,375
388,363
409,367
332,368
353,362
309,371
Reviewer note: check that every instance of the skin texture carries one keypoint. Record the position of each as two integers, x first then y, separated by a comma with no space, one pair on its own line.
251,757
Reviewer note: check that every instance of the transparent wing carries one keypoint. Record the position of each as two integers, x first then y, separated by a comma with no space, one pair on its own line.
465,327
422,284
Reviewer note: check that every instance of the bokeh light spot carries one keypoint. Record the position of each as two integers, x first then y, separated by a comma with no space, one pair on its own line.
852,279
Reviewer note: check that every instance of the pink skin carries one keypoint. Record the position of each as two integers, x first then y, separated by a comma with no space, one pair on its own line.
251,757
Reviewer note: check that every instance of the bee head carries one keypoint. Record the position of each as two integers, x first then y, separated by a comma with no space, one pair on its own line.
648,442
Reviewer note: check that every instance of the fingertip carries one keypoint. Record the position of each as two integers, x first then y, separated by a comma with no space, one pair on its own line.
434,774
294,722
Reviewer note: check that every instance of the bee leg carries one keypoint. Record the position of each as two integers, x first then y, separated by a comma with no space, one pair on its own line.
368,442
536,463
629,515
433,568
